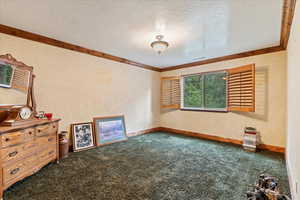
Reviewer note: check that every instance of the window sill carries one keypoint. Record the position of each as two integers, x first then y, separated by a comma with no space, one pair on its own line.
203,110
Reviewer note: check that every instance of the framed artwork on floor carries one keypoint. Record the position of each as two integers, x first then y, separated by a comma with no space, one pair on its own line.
83,136
110,129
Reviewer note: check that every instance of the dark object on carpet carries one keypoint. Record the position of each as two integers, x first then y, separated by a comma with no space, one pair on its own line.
158,166
267,188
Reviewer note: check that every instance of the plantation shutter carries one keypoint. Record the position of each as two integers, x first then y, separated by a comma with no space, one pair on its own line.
170,92
21,80
241,89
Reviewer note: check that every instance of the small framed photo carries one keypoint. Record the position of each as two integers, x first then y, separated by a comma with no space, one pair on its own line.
110,129
83,136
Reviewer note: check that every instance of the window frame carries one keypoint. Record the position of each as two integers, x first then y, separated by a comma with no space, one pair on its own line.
203,109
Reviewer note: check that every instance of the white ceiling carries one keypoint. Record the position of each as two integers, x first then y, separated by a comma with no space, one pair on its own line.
194,28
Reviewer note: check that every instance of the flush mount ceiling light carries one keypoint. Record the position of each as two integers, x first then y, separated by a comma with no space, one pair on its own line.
159,46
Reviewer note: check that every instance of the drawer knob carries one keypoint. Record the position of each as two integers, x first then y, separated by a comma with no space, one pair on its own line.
54,126
14,171
12,154
7,139
50,139
39,130
30,133
51,152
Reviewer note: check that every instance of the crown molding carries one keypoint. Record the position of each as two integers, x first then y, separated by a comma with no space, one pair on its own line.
53,42
287,19
224,58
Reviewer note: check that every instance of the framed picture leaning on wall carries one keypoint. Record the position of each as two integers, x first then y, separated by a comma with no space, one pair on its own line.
83,136
110,129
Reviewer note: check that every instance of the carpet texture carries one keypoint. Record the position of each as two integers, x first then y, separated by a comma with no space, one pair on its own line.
158,166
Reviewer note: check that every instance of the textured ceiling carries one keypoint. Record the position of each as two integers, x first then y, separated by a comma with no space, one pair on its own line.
195,29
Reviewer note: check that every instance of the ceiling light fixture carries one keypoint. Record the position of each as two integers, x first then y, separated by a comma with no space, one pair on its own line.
159,46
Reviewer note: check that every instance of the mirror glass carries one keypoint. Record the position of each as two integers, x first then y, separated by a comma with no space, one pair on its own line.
12,97
9,96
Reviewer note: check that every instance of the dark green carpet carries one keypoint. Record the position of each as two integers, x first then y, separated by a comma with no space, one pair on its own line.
156,166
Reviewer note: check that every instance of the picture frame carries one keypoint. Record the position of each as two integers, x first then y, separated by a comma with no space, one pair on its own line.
110,129
83,136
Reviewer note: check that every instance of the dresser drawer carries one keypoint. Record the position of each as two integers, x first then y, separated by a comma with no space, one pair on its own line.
19,137
49,129
47,155
45,141
22,168
42,130
29,133
53,128
14,153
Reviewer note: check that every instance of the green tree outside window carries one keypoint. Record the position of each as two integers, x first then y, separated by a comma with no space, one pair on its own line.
205,91
6,72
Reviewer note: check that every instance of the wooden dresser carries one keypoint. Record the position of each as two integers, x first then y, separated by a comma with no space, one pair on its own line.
25,149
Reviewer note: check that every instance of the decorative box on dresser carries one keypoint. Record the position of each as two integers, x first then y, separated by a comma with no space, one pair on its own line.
25,149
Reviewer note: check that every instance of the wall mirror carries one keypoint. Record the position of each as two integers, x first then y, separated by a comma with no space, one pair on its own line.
16,83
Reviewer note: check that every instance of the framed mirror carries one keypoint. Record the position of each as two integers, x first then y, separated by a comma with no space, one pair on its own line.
16,84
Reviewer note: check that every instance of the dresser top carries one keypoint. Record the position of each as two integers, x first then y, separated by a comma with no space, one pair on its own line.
37,122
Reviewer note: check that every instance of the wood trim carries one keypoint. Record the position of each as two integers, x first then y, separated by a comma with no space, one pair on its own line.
205,137
142,132
224,58
220,139
272,148
287,20
50,41
201,135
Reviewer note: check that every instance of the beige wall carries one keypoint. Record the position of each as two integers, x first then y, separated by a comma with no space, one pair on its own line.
293,136
270,114
77,87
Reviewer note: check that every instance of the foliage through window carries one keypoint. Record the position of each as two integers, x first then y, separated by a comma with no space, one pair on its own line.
6,72
205,91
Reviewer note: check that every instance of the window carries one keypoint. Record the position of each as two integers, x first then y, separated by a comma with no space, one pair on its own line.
230,90
205,91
